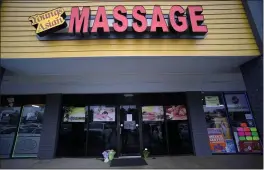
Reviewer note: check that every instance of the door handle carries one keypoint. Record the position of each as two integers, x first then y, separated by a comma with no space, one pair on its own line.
121,125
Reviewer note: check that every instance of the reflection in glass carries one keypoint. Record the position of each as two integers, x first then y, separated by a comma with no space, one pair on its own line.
179,137
30,126
154,138
9,119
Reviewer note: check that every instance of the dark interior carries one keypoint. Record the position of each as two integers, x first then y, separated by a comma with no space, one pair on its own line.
82,139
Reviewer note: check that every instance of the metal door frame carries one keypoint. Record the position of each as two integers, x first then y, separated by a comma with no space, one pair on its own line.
119,144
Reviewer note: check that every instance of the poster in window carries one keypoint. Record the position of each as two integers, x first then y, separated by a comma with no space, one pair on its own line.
218,111
103,113
152,113
248,116
236,103
74,114
222,124
216,118
216,139
251,123
230,146
129,117
250,147
247,139
176,112
212,101
218,127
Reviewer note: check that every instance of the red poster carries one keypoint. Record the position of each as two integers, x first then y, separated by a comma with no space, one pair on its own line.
250,146
176,112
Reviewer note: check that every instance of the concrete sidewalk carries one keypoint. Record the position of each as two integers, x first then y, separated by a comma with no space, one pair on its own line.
182,162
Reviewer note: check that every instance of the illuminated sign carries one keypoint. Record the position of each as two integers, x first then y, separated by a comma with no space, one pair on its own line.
49,22
178,22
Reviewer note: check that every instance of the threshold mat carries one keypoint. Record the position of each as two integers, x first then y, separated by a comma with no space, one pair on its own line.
128,162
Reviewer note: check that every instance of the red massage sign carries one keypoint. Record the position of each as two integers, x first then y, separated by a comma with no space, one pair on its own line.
179,21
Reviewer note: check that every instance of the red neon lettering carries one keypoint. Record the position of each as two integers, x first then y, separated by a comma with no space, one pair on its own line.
79,24
100,20
139,20
157,15
119,14
181,24
80,20
196,17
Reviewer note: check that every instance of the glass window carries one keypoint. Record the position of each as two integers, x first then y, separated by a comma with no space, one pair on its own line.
153,129
243,124
72,134
102,132
28,136
9,119
219,132
179,141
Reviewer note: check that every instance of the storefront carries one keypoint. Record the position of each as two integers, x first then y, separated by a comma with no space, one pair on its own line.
83,77
127,123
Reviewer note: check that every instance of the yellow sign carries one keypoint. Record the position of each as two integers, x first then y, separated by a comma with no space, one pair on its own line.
48,22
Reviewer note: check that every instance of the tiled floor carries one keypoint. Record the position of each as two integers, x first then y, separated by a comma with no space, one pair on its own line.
182,162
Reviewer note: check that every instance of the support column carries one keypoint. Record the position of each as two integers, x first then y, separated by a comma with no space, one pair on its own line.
50,129
198,124
252,71
2,71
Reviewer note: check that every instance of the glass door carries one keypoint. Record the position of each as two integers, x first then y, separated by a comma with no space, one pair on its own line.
129,131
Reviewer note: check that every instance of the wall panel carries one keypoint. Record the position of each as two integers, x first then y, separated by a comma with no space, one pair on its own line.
229,32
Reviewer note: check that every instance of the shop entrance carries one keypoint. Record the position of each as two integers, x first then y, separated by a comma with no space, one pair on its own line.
129,131
91,124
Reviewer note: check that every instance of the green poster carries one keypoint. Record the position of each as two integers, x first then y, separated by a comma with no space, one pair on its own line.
74,114
212,101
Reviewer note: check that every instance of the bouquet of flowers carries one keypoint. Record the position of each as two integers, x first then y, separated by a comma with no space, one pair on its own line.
111,154
145,153
108,155
105,155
